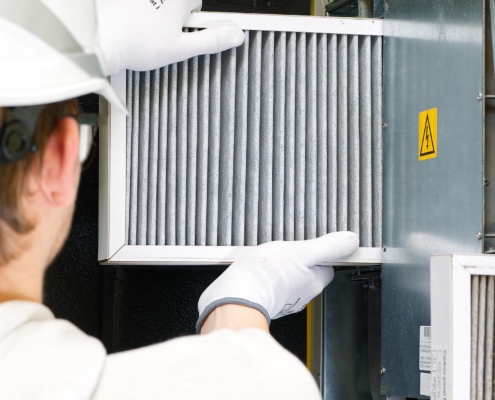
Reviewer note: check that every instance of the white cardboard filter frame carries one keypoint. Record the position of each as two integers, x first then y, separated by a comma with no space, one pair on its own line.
450,280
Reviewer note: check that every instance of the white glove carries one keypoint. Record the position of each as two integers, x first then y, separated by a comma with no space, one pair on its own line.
142,35
278,278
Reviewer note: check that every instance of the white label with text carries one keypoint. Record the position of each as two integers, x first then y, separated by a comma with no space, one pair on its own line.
425,348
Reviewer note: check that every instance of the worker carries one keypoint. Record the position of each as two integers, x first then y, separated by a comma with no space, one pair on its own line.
52,51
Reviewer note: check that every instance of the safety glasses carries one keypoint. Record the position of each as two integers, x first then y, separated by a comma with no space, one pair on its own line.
16,136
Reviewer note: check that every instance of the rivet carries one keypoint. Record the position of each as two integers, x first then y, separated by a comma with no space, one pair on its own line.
479,96
384,126
486,182
479,235
382,371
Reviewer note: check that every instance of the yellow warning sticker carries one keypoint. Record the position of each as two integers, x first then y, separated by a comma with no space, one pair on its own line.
427,142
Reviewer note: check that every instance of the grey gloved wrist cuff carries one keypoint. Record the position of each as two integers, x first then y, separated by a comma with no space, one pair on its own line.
229,300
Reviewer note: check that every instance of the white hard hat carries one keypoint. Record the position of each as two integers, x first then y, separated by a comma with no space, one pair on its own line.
49,52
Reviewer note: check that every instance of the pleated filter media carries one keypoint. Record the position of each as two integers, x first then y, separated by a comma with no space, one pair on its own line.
279,139
482,336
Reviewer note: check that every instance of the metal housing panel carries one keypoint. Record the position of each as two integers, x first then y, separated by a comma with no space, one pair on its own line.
433,58
344,341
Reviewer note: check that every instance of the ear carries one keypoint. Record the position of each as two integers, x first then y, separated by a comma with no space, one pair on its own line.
61,167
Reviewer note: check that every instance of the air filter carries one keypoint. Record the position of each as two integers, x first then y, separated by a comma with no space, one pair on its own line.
462,326
279,139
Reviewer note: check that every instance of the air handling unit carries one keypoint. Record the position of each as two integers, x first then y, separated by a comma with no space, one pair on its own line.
282,139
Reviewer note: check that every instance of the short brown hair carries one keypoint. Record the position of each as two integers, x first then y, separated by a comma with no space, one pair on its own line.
13,176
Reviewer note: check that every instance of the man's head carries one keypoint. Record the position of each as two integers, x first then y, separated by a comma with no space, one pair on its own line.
37,193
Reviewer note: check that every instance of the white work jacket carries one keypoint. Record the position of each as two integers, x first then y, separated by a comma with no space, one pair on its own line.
46,358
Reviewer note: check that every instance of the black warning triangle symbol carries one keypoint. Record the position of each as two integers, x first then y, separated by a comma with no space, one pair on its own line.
427,143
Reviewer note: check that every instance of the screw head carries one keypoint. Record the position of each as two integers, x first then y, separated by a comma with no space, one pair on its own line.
384,126
479,96
382,371
479,236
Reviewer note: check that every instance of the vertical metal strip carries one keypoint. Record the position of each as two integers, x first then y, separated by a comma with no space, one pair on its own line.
253,140
227,123
322,79
171,156
202,163
162,158
395,142
475,286
192,148
153,158
240,144
279,136
213,150
481,338
128,131
134,160
365,162
492,26
144,133
490,310
376,138
266,141
311,156
333,108
342,143
354,148
182,110
300,139
290,134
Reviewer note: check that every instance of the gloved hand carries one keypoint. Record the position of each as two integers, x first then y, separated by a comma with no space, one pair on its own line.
142,35
278,278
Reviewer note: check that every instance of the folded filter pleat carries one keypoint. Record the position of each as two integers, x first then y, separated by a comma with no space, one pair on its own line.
192,151
182,153
265,219
365,153
162,157
171,159
227,134
290,139
213,150
279,76
151,230
240,144
202,154
321,114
